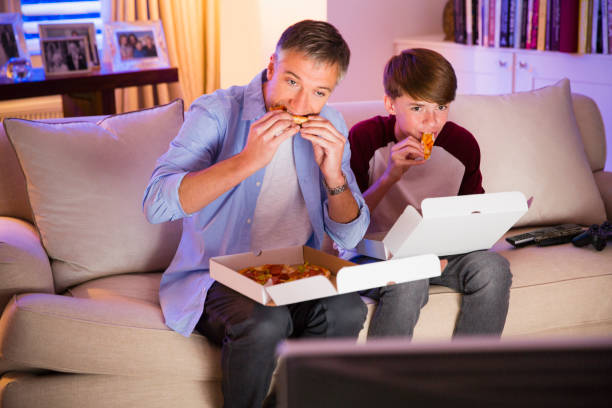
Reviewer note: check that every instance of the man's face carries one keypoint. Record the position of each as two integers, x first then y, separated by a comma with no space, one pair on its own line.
298,82
415,117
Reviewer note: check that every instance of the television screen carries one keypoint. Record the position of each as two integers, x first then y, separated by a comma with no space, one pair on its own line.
474,372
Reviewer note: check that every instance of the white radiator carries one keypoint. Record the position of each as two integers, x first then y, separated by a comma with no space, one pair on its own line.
44,107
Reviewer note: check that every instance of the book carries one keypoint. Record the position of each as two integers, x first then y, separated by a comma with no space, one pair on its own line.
511,22
555,24
604,26
596,27
535,18
460,32
548,24
528,27
475,31
498,23
568,22
519,30
609,26
589,33
541,41
491,23
583,10
468,22
504,23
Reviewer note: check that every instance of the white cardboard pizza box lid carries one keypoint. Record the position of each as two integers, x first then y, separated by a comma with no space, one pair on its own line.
347,277
448,226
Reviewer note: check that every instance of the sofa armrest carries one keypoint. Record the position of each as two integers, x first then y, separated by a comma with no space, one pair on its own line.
24,264
604,183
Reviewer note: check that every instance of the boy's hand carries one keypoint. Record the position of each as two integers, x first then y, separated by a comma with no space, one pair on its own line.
266,134
328,145
405,154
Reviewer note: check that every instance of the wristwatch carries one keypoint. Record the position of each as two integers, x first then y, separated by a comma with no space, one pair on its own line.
336,190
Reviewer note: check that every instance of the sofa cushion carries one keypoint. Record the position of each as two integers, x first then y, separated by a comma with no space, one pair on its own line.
107,333
100,391
592,130
85,183
24,266
13,196
530,142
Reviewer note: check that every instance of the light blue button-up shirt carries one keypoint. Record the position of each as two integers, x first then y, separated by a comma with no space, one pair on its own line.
216,128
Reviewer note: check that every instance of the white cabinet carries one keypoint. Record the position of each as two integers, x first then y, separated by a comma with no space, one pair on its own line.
482,70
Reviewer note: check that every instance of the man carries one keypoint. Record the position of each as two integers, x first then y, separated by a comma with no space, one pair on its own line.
245,177
76,58
388,160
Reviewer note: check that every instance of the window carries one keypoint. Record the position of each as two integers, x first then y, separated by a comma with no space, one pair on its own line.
35,12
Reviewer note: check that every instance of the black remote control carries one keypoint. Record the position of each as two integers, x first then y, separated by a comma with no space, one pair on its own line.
559,234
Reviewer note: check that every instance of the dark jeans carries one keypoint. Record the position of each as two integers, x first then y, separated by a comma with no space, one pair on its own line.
249,332
484,279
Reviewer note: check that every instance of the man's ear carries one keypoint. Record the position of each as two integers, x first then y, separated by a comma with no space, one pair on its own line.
389,106
270,70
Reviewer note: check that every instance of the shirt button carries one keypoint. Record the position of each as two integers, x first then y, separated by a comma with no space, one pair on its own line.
258,183
249,221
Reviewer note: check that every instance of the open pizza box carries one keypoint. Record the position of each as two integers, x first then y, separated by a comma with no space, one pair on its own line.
346,276
448,226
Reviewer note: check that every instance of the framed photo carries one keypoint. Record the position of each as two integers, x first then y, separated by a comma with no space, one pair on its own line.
135,45
87,30
65,55
12,40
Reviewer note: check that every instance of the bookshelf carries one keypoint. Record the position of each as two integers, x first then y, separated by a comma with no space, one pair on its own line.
488,70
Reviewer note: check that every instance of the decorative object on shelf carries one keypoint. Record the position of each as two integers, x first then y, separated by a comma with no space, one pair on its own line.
135,45
86,30
448,21
65,55
12,40
17,69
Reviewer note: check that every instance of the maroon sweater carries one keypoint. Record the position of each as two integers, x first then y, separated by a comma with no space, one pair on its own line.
369,135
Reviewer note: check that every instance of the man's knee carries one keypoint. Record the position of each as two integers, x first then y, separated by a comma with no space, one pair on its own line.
407,294
268,326
346,313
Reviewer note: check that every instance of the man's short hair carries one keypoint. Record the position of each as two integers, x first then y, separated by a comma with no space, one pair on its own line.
421,74
318,40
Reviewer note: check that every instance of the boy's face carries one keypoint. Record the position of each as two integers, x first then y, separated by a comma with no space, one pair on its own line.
299,83
415,117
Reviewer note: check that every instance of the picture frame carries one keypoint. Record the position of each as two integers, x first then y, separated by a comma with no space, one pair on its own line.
88,30
135,45
12,39
65,55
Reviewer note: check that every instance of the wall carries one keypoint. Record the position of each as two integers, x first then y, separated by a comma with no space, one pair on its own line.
369,27
249,30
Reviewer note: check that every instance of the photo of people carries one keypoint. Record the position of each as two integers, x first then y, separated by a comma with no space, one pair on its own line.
8,43
86,30
64,55
136,44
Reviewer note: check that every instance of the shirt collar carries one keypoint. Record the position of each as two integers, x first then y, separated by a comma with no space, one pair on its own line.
254,106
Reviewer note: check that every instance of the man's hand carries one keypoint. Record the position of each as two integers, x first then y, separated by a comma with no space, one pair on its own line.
328,145
265,135
405,154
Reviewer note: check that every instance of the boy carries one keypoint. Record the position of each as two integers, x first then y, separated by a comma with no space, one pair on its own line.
389,165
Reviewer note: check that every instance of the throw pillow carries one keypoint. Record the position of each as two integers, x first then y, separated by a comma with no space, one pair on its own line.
85,183
530,142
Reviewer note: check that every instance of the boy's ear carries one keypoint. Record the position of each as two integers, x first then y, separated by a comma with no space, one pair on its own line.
270,70
389,106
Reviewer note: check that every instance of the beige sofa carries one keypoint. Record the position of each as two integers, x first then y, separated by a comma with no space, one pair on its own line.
80,267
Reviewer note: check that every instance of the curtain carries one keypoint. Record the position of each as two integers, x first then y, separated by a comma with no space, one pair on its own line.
10,6
191,28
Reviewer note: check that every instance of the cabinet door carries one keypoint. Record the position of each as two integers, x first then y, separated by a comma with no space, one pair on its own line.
479,70
589,75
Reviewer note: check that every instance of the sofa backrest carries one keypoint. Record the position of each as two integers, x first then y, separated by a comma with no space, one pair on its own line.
586,110
538,142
